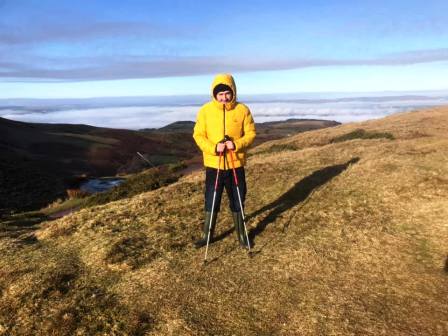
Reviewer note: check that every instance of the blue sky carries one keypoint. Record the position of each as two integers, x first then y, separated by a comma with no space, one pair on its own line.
65,49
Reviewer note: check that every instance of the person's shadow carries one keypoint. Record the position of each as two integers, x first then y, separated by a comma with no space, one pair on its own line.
298,193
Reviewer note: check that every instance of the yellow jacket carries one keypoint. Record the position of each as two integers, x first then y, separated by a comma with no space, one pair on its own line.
211,120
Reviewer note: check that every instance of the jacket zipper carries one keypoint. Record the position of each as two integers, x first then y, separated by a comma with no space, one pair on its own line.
224,123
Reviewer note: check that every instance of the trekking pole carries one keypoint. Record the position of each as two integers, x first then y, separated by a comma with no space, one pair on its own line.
213,207
239,198
139,154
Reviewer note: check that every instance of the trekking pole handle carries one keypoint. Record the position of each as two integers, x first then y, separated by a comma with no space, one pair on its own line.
226,138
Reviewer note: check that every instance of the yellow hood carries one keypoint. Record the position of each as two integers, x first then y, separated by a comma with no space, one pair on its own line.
212,123
227,80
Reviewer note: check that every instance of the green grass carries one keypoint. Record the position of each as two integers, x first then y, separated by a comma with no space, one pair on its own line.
88,137
22,220
163,159
275,148
362,134
62,205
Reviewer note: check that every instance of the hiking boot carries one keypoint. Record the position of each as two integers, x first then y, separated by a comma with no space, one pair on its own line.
203,241
239,228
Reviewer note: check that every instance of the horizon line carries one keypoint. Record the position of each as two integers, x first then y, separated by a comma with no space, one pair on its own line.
408,92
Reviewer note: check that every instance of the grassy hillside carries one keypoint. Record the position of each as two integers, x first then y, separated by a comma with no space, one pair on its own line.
86,149
38,160
349,232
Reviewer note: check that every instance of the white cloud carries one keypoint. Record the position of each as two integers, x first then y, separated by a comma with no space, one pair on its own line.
114,117
157,116
127,66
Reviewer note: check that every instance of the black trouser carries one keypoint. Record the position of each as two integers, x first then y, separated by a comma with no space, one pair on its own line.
226,180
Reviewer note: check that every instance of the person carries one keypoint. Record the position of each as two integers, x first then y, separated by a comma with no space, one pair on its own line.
224,127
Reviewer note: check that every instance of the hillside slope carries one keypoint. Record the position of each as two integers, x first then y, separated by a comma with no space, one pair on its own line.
349,239
38,161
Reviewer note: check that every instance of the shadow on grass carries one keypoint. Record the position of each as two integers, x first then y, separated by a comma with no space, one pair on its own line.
297,194
224,234
21,227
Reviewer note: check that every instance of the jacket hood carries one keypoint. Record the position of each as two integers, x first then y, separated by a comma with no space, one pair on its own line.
229,81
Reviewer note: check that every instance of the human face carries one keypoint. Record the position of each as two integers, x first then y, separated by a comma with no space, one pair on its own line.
224,97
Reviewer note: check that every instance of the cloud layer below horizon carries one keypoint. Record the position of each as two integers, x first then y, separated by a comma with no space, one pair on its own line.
139,117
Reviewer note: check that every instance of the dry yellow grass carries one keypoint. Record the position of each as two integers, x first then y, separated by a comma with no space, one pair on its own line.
350,238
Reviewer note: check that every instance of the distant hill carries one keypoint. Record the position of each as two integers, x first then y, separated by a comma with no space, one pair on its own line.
270,130
36,160
349,237
273,130
88,149
177,126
